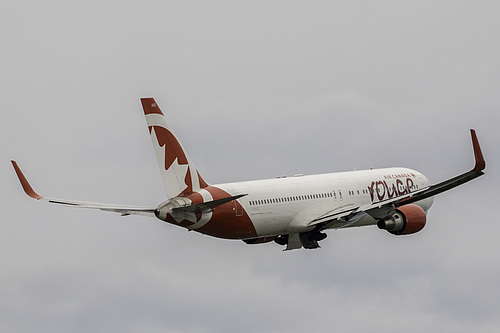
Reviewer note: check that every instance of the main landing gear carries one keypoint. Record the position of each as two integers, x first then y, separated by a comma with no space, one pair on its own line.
308,240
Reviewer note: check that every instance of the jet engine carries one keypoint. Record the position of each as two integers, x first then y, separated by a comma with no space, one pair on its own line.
408,219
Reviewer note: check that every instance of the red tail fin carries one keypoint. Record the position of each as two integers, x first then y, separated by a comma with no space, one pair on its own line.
179,173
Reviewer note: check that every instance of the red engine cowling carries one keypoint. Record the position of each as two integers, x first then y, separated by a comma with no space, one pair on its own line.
408,219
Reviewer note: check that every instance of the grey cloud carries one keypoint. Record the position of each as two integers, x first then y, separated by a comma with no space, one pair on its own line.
253,90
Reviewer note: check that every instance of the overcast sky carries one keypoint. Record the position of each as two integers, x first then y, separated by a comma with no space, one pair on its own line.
254,89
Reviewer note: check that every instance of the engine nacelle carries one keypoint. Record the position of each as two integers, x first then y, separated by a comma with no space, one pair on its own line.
408,219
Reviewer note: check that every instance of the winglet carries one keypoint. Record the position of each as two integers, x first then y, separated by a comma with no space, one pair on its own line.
24,182
478,155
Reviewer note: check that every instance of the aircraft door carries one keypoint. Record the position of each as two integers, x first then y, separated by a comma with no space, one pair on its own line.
421,182
238,208
337,195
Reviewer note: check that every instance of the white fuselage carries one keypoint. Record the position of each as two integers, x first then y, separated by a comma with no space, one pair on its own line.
280,205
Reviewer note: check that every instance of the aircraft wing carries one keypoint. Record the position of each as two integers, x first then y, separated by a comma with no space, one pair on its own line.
455,181
378,208
124,210
348,212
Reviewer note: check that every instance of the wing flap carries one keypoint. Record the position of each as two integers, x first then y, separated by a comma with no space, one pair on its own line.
335,214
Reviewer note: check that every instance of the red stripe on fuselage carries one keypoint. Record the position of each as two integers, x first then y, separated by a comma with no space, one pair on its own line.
224,222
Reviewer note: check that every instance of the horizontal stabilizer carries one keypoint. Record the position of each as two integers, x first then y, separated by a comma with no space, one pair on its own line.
205,206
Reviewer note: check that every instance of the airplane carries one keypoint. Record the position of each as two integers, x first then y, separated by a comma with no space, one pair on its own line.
293,211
